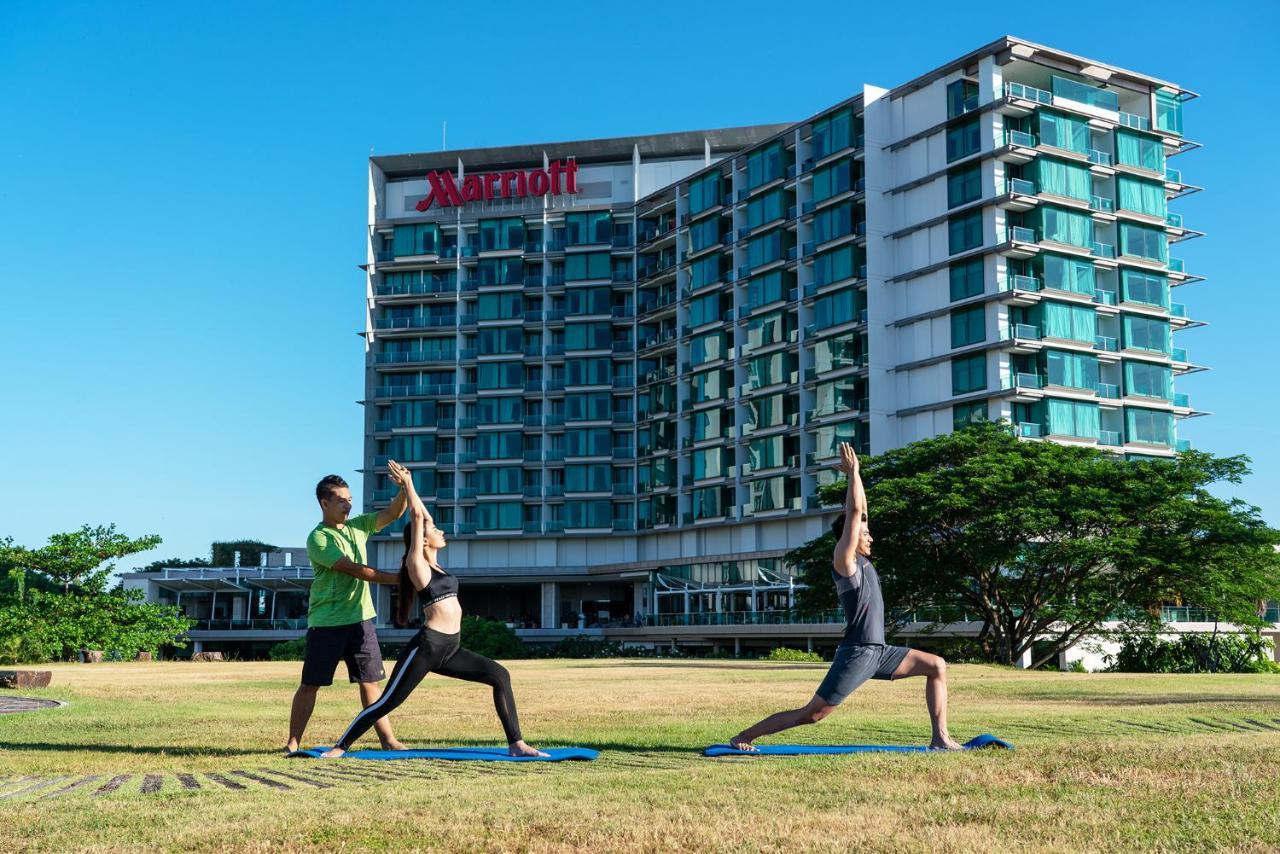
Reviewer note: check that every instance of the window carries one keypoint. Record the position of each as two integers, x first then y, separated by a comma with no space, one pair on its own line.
1168,112
964,185
704,193
829,438
586,228
1072,370
1147,333
1146,288
834,222
1064,273
1142,196
1072,418
1069,322
1063,226
843,263
1143,242
1148,426
707,348
704,234
588,478
593,371
964,414
844,306
964,232
499,481
771,369
772,410
588,442
706,271
838,395
709,385
765,165
766,208
1147,380
710,424
771,287
507,339
499,410
841,351
416,240
587,300
833,180
969,373
501,234
1134,149
964,139
587,265
506,306
1062,131
498,515
500,271
966,279
769,329
499,446
769,247
832,134
1084,93
968,326
588,336
491,375
705,309
1064,179
962,97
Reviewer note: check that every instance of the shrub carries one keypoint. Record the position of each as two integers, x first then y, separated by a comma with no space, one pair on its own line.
491,639
1197,652
291,650
782,653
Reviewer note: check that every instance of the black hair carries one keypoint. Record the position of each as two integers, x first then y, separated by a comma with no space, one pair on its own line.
405,593
837,525
329,484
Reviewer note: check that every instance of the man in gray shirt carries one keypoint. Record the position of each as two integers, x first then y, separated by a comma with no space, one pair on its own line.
863,653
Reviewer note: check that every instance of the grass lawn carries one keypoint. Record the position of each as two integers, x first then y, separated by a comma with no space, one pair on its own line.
1103,762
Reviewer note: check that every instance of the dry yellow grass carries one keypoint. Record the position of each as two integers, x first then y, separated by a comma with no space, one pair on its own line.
1103,762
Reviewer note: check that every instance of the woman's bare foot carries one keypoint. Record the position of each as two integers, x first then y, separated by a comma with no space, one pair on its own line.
333,753
393,744
740,743
291,746
945,742
519,748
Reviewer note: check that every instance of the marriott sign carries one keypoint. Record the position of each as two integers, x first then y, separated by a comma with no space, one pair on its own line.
487,186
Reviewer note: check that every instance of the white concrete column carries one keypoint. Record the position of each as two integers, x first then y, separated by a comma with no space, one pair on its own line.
550,603
1024,661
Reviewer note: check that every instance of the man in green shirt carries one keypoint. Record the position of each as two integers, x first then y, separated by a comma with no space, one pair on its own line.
340,612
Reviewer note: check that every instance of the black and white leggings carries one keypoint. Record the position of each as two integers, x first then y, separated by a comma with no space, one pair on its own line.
435,652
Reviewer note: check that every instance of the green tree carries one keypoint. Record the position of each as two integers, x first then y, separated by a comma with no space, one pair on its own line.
1044,542
83,558
174,562
251,551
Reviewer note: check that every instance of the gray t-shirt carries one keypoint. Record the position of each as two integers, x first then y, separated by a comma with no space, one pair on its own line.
863,604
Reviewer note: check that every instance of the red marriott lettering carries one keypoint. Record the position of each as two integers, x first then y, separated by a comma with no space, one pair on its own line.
487,186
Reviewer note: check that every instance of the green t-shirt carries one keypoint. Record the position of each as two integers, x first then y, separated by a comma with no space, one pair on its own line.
337,599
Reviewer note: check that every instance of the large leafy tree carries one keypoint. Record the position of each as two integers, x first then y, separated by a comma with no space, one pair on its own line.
83,558
1045,542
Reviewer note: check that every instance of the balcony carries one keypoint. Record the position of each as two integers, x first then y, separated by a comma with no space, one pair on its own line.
1102,250
1173,220
1177,265
1108,391
1181,400
1102,204
1022,186
1177,309
1101,158
1179,355
413,356
1022,380
1106,343
1027,93
1104,297
1020,330
1019,282
1182,445
1173,176
1020,138
1021,234
1030,430
1110,438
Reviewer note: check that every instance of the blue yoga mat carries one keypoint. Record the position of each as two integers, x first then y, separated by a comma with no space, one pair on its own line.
473,754
803,749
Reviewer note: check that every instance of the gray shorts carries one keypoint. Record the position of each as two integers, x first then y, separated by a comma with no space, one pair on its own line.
855,664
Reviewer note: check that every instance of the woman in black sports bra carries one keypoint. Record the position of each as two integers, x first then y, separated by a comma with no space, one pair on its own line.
435,648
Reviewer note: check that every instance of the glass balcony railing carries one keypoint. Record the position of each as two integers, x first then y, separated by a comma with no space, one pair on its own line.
1020,137
1018,282
1106,343
1030,430
1028,93
1110,437
1022,380
1104,297
1135,121
1102,250
1101,158
1182,445
1173,176
1101,203
1085,94
1020,330
1021,234
1177,265
1022,186
1179,354
1181,400
1109,391
1177,309
1173,220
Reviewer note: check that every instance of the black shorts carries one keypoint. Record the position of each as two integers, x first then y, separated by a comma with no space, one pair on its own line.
855,664
355,643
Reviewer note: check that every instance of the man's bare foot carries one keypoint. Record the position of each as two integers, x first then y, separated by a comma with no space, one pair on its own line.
519,748
945,742
333,753
740,743
393,744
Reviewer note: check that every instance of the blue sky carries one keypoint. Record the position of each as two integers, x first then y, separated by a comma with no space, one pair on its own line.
183,202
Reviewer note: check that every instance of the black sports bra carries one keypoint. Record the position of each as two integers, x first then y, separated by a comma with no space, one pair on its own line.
441,586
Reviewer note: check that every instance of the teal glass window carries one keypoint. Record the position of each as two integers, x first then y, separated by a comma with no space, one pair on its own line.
491,375
710,502
507,233
1142,196
767,453
499,410
964,414
416,240
597,477
769,247
1072,418
1069,322
1063,131
771,410
833,180
1064,273
1144,379
968,326
832,133
843,306
709,385
588,442
504,306
503,480
707,348
587,300
966,279
774,493
588,514
586,228
591,371
1135,149
773,286
771,369
706,271
964,185
1072,370
587,265
712,462
507,339
962,97
767,208
1144,242
964,139
1084,93
1168,112
1148,426
499,446
838,395
588,336
1143,287
839,351
1064,226
704,192
1147,333
710,424
499,516
969,374
703,234
833,222
830,437
500,271
765,165
771,328
705,309
1064,179
842,263
964,232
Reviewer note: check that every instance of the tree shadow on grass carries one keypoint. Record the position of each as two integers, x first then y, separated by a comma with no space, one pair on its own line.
130,748
718,665
1106,699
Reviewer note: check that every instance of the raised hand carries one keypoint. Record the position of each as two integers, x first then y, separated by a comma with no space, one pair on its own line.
848,462
399,475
